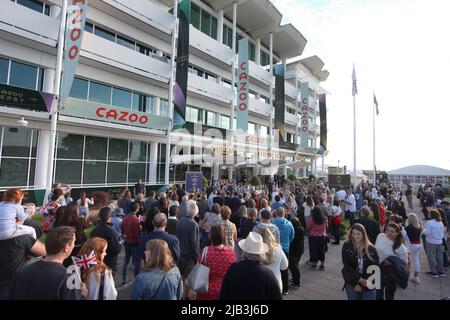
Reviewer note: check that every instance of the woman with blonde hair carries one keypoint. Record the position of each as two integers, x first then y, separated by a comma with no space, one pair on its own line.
98,278
162,279
414,230
276,258
358,254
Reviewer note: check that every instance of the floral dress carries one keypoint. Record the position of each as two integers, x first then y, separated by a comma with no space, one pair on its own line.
218,259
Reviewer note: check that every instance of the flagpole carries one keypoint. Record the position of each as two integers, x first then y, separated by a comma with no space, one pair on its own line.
56,89
354,141
374,165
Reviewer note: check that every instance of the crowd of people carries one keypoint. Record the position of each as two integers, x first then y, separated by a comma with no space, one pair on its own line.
251,239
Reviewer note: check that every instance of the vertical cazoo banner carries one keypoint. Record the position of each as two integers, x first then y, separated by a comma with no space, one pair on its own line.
304,123
323,121
280,107
76,19
243,89
181,82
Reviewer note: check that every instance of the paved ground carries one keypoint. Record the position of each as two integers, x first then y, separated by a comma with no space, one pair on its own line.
327,285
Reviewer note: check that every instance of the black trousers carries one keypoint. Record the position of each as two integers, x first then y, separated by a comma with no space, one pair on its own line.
388,285
295,270
336,230
285,279
317,248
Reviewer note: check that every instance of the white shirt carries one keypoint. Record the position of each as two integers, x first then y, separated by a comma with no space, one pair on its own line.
279,262
434,231
87,203
352,206
109,289
341,195
307,210
383,245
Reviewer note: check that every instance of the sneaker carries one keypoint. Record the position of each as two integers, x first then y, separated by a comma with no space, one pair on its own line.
309,262
416,280
442,274
432,274
322,268
294,286
445,268
285,293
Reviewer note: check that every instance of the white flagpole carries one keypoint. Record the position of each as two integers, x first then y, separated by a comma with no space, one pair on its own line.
56,89
374,166
354,141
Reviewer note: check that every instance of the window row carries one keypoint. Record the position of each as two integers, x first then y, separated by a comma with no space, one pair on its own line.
21,75
110,95
203,21
35,5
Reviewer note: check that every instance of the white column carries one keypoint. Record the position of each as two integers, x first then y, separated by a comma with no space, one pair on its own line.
216,171
233,66
156,106
217,120
270,91
219,80
55,11
43,147
220,26
153,165
258,52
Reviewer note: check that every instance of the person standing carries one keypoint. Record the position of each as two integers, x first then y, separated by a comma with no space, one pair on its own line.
296,249
371,226
336,221
358,254
139,187
408,194
228,227
249,279
105,230
172,221
265,223
350,206
434,232
414,230
150,202
131,229
317,227
84,203
47,279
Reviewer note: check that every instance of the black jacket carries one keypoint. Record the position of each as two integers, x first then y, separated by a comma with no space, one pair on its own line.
297,246
372,228
350,261
398,271
107,232
171,240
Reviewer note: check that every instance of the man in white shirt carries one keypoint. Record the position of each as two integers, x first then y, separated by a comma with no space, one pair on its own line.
350,206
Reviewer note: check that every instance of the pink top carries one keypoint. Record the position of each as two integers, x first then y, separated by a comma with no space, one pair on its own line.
317,230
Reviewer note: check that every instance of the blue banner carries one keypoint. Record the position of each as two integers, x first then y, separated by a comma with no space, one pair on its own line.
243,87
194,180
76,19
304,123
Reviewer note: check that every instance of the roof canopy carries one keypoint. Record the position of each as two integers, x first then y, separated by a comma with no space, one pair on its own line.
420,170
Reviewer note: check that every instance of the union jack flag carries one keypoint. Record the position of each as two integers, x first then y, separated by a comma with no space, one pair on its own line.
85,261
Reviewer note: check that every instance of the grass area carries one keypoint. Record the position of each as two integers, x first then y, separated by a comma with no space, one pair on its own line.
40,218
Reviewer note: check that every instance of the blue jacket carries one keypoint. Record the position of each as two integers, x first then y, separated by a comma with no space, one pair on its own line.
171,240
287,232
158,285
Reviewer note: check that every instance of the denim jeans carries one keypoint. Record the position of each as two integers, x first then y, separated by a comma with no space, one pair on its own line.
364,295
131,252
435,254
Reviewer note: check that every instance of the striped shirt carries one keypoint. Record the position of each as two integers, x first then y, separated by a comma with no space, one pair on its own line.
229,229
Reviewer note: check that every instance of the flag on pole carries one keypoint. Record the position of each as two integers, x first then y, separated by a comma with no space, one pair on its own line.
354,87
375,101
85,261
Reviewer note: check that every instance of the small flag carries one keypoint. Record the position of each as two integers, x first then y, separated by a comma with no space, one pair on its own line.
85,261
375,101
354,87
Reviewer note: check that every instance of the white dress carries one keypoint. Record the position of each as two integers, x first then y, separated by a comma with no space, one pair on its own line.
279,262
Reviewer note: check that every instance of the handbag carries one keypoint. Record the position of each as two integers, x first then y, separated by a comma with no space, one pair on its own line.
198,278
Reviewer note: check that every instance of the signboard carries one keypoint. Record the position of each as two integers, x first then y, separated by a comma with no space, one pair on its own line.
180,90
194,180
280,107
304,124
76,19
323,121
25,99
339,181
243,88
106,113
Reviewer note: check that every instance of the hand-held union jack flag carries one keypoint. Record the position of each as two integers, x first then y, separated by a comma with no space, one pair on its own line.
85,261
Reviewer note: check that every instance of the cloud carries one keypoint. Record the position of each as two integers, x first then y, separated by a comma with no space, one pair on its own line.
401,52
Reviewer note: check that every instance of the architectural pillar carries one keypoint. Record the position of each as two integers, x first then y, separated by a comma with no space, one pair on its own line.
220,26
258,52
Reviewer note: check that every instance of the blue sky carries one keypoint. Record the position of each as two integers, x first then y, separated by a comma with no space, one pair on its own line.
401,51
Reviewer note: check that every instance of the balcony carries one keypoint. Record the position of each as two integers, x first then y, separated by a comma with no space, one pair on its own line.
106,52
290,90
19,21
259,107
291,119
209,89
210,46
142,10
259,73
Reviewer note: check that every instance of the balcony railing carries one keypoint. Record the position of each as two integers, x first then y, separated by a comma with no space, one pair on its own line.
259,73
209,88
210,46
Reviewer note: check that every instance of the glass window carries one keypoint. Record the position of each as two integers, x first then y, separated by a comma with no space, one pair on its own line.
161,152
16,142
251,128
164,107
94,172
136,171
104,34
79,89
138,150
118,150
46,9
4,70
252,52
121,98
126,42
13,172
139,102
23,75
213,28
69,146
40,85
224,122
191,114
195,16
100,93
32,4
89,27
206,23
149,104
68,172
96,148
210,119
263,130
117,172
32,172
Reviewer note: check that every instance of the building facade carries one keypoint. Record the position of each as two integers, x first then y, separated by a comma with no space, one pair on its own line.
125,64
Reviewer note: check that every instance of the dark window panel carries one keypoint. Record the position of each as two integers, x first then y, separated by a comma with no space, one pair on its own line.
117,172
32,172
100,93
206,23
96,148
4,70
40,86
118,150
126,42
121,98
108,35
138,150
32,4
94,172
79,89
89,27
70,146
195,16
16,142
13,172
136,171
23,75
68,172
213,28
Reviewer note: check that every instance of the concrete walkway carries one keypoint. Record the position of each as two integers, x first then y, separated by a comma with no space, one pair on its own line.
327,285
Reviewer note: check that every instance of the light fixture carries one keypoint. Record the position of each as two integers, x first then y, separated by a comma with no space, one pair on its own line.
22,122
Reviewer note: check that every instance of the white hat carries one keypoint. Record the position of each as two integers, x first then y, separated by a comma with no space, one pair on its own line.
254,244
